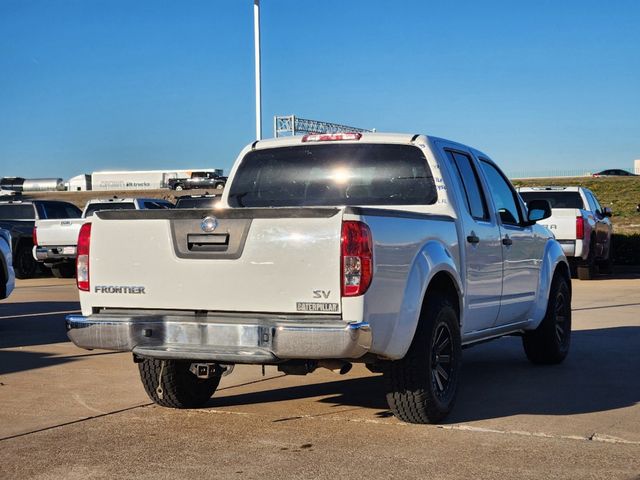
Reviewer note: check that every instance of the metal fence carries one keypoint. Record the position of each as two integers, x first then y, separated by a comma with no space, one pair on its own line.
549,173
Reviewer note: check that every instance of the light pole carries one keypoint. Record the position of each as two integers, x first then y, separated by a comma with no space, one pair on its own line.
256,36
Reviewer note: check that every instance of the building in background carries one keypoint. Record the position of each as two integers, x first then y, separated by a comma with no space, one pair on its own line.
636,167
140,179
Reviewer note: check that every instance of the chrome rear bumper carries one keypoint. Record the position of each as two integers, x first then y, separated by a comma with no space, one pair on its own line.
255,339
54,253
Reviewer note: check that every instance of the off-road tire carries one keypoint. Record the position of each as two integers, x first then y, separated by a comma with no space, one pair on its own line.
413,384
180,387
65,270
549,343
25,266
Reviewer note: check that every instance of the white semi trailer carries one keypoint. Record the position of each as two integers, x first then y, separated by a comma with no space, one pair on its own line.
140,179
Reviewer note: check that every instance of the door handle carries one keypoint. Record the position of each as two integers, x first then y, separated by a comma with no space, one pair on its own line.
473,238
507,241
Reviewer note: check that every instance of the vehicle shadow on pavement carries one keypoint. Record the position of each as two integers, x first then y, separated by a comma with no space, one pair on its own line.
12,361
33,323
621,275
364,392
600,373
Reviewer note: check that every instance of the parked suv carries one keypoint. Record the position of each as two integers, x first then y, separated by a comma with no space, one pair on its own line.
19,218
580,224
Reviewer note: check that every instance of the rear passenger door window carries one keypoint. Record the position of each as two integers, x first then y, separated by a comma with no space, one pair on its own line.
504,196
470,185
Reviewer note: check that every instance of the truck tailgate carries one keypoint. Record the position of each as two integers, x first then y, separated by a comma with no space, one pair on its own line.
562,223
255,260
60,232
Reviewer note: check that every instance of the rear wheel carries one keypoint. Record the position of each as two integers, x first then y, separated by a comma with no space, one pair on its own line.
549,343
169,383
421,387
25,265
63,270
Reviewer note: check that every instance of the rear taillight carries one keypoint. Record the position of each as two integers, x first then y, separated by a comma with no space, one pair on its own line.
579,228
331,137
35,236
357,258
82,260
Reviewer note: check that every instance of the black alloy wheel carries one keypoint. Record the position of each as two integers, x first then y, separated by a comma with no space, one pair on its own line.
442,360
562,316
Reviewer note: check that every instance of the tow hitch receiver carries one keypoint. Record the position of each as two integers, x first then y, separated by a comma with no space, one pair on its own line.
209,370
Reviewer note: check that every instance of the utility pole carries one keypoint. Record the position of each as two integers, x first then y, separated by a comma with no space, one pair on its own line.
256,36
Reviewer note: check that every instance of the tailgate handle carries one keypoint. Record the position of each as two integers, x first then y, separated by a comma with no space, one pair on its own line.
208,242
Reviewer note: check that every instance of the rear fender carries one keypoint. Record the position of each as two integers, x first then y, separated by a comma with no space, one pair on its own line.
432,259
552,260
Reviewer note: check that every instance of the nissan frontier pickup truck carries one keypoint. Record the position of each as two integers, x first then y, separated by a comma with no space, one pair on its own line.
391,250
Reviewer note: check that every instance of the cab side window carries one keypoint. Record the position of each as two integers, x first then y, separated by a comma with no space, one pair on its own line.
470,184
504,196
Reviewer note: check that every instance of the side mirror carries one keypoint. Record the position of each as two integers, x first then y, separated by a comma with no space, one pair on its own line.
538,210
606,212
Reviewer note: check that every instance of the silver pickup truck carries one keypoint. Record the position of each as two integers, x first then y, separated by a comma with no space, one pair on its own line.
387,249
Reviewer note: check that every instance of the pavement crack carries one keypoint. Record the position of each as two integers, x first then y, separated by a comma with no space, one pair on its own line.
595,437
73,422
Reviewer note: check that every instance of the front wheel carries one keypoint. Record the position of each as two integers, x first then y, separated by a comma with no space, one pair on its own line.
170,383
606,264
549,343
178,188
586,270
421,387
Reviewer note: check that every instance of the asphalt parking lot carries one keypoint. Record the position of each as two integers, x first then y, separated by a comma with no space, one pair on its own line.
69,413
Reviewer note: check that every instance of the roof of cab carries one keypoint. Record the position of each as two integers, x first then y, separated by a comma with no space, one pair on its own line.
370,137
366,137
550,188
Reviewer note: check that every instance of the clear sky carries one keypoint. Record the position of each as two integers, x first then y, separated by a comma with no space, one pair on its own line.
91,85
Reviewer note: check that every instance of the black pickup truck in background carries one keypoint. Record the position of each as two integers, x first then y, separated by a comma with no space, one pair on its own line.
18,217
198,180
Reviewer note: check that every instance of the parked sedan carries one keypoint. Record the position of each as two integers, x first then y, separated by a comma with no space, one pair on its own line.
614,172
7,276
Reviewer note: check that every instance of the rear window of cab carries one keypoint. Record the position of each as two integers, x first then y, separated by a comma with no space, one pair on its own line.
333,174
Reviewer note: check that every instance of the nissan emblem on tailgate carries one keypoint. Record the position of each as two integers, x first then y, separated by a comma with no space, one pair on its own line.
209,224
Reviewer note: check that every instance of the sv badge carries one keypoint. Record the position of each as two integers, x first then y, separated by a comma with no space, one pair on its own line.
321,293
